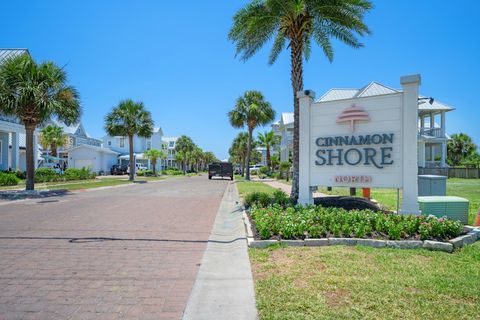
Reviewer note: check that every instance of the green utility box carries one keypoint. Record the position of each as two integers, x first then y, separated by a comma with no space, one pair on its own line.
454,208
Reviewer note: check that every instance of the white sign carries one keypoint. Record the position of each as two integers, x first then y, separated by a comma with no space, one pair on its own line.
368,142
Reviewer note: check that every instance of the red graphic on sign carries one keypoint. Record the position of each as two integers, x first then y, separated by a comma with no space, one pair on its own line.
352,114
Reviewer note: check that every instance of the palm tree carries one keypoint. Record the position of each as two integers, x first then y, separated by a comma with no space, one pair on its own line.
459,148
184,145
153,155
34,93
251,110
180,157
238,150
294,24
52,137
268,140
128,119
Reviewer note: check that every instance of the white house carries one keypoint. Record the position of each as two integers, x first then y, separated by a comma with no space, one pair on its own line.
284,129
140,145
432,137
98,159
12,131
169,148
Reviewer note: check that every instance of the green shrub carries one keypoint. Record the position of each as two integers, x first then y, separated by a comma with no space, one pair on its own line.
78,174
21,174
46,175
299,222
8,179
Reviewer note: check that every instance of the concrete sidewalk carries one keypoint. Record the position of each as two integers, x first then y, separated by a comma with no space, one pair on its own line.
287,188
224,284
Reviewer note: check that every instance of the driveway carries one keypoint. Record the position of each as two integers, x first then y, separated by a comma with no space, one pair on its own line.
129,252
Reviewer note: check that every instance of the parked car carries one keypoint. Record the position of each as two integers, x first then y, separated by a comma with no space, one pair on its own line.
221,169
118,169
254,169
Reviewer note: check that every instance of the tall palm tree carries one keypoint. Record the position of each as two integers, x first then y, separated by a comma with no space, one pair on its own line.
268,140
153,155
128,119
251,110
294,24
34,93
184,145
52,137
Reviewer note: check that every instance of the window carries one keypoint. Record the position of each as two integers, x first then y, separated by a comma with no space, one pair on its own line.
171,144
164,146
109,143
149,144
122,142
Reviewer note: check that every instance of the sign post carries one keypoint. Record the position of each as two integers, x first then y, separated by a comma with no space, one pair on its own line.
368,141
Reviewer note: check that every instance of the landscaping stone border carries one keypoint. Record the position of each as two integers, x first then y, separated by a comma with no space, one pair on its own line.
472,235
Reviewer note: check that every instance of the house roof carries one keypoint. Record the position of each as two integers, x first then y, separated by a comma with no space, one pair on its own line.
377,89
158,130
287,118
168,139
10,53
99,149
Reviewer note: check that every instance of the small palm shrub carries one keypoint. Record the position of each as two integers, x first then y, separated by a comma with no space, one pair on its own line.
8,179
264,199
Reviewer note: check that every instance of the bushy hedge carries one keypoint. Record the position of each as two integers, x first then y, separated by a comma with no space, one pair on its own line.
49,175
78,174
46,175
172,172
8,179
299,222
147,173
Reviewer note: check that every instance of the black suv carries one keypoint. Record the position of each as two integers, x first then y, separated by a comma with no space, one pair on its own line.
118,169
221,169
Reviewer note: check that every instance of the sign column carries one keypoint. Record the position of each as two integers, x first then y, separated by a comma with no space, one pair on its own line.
410,86
305,193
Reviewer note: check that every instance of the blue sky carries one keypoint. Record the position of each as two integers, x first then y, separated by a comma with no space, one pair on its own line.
178,61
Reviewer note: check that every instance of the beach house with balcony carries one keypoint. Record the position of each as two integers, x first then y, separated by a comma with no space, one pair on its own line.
432,135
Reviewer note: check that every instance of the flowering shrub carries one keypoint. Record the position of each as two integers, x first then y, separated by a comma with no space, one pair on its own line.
299,222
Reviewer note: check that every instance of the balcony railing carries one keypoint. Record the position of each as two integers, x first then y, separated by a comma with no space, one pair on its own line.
432,132
10,119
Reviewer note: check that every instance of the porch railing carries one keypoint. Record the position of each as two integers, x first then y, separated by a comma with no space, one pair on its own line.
432,132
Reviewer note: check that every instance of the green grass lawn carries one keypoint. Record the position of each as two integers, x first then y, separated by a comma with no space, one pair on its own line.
245,187
85,184
465,188
366,283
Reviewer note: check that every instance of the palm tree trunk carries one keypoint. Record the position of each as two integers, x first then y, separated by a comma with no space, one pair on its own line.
30,159
132,160
297,85
249,149
154,163
54,150
269,162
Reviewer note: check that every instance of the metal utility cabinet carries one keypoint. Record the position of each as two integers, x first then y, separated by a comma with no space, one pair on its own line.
454,208
430,185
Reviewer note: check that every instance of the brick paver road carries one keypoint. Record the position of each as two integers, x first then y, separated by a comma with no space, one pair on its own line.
122,253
